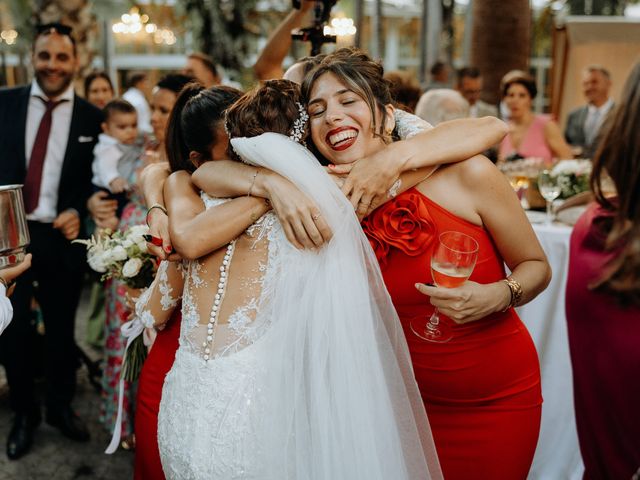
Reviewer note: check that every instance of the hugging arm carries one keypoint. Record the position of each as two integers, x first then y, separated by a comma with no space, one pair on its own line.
195,231
157,303
300,217
369,179
151,182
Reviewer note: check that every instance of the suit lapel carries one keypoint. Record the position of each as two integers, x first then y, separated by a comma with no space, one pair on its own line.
22,125
71,141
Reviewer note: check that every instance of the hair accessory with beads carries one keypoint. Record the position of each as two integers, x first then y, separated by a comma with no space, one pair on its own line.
300,124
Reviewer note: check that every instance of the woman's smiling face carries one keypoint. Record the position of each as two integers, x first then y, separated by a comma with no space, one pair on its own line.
341,122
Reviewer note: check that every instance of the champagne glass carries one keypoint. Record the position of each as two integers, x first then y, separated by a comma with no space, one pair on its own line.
452,262
550,190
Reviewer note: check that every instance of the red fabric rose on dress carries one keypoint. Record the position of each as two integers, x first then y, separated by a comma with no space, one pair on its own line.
403,223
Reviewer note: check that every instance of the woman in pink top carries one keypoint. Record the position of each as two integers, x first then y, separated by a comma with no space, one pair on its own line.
603,302
530,135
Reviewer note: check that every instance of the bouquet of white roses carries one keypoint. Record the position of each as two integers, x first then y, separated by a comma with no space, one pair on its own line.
572,176
122,255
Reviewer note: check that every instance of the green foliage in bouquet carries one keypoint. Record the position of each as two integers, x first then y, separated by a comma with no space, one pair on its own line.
134,359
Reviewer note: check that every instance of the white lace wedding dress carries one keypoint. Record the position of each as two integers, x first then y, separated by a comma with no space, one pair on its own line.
292,364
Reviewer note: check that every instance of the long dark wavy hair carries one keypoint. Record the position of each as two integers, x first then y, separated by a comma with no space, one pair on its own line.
619,157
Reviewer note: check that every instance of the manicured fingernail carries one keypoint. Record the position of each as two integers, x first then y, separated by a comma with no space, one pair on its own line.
168,248
332,166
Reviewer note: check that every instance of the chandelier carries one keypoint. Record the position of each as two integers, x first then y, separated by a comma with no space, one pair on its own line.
135,24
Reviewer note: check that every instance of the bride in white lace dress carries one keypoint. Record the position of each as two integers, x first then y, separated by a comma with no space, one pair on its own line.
292,363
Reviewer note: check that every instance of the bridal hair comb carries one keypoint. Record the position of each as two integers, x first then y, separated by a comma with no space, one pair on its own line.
300,124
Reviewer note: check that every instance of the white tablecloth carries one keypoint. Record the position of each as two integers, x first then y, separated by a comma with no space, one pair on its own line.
558,454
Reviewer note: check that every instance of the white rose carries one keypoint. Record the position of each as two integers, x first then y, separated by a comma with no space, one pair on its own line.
96,263
135,233
126,243
142,246
119,253
107,258
132,267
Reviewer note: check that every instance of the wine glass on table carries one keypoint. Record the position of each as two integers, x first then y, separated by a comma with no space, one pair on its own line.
452,262
550,190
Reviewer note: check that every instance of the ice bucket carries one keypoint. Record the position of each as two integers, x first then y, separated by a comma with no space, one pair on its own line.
14,233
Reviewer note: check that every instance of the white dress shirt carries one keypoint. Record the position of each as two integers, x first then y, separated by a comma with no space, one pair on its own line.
6,310
46,211
136,98
595,118
106,155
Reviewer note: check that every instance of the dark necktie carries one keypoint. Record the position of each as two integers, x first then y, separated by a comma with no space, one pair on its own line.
31,190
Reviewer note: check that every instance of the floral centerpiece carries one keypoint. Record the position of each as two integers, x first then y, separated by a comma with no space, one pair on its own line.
572,176
123,255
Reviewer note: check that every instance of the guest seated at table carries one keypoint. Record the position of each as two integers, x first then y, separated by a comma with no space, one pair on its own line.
530,135
7,285
603,302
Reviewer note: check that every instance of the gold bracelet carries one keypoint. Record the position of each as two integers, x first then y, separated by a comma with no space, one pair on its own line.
159,207
516,292
253,182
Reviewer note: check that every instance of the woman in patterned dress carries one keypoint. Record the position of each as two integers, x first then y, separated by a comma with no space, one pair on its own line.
118,310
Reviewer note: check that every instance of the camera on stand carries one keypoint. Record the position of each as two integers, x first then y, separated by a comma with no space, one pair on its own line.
315,33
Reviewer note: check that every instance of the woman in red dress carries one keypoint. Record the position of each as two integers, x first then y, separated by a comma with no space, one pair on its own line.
481,389
470,408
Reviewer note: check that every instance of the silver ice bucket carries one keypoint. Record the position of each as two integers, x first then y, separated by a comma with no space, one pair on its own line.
14,233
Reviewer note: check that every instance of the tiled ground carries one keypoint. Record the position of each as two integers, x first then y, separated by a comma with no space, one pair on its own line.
54,457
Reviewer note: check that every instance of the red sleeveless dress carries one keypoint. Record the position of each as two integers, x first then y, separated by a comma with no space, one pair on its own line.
155,368
482,388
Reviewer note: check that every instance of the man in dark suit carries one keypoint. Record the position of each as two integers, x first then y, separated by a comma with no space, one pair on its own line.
584,124
47,135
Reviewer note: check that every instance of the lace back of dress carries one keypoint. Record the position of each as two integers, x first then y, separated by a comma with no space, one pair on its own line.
223,306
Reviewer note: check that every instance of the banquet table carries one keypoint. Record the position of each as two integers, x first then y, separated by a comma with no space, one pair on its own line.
557,455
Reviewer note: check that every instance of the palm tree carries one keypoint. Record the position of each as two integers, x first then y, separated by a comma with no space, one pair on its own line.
501,39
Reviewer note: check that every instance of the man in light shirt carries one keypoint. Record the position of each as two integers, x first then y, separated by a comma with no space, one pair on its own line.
7,285
584,124
47,135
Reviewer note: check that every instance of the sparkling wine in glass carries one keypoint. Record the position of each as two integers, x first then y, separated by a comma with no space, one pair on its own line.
452,262
550,190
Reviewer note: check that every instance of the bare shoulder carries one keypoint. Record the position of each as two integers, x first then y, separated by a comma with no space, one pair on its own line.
476,171
179,183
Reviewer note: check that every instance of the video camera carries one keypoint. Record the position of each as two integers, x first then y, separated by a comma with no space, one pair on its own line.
315,33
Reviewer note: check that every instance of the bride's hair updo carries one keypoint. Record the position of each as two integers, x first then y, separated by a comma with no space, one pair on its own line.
274,106
360,74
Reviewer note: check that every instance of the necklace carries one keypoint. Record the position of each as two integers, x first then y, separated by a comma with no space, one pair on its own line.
217,300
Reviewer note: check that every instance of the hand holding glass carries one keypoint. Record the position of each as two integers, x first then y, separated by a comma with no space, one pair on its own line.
452,262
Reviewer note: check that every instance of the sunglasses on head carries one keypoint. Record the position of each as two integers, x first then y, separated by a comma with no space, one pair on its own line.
58,28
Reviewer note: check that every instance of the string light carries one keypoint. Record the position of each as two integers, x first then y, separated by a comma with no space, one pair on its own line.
8,36
341,27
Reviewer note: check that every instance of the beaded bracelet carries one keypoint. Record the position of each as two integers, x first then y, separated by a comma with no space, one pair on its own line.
159,207
516,292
